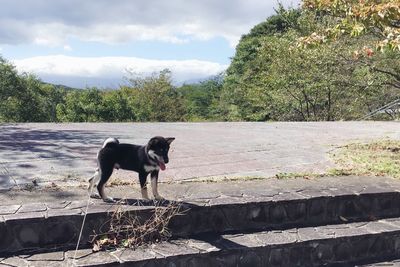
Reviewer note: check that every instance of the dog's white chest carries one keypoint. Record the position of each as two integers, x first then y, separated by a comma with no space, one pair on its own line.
150,168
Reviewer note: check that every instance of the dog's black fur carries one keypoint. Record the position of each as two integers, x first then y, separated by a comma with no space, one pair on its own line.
145,159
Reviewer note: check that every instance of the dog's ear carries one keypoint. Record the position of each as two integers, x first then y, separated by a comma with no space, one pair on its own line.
169,140
153,141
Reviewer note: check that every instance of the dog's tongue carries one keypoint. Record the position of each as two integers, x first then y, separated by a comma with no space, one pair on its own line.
162,165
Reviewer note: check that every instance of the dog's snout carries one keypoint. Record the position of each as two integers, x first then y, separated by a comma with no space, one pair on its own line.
166,159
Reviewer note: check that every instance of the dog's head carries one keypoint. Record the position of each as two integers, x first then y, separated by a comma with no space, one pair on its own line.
158,148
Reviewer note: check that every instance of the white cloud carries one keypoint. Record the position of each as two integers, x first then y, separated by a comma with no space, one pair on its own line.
114,68
49,22
67,47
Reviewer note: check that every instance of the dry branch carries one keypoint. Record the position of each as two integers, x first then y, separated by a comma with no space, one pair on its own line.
127,229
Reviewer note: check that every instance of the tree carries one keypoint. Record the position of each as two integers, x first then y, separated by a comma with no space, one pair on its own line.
246,50
356,17
380,19
116,107
201,100
10,91
52,97
24,98
156,98
81,106
281,81
325,83
235,103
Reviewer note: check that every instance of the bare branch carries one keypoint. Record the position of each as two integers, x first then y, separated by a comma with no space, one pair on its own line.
125,229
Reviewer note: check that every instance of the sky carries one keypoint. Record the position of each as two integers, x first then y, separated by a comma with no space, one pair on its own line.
83,43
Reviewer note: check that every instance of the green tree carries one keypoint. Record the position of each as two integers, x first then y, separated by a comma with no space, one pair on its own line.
201,100
235,102
246,50
24,98
81,106
115,107
11,90
380,19
355,17
281,81
52,97
157,99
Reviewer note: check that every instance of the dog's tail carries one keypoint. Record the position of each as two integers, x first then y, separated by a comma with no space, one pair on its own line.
110,141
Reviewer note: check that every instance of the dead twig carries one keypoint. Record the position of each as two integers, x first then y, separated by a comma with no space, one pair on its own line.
126,229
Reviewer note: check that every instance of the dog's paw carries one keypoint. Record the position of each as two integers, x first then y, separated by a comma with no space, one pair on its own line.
95,195
158,197
109,200
145,195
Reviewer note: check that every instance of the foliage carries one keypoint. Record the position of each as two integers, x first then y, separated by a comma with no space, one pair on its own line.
202,100
24,98
156,98
80,106
269,78
246,50
328,82
356,17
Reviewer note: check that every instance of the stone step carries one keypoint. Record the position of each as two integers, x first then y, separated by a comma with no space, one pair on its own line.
27,227
330,245
392,263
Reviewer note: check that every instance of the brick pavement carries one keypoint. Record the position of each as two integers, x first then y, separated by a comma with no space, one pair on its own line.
65,153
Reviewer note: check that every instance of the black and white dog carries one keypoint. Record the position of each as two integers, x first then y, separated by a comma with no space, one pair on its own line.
145,159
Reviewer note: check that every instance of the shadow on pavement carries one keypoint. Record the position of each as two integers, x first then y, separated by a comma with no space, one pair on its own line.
66,144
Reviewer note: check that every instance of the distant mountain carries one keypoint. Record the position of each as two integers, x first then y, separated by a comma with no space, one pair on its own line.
194,81
198,80
82,82
61,86
74,83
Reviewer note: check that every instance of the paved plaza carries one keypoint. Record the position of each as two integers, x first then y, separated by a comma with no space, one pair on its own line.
65,153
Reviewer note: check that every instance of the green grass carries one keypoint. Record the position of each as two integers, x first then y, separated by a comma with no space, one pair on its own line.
378,158
305,175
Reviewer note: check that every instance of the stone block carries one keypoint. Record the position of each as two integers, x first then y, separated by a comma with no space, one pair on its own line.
9,209
35,207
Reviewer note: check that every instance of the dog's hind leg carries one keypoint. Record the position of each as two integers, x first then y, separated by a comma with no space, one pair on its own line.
92,182
104,176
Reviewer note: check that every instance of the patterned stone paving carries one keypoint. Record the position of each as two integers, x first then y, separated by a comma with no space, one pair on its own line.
65,153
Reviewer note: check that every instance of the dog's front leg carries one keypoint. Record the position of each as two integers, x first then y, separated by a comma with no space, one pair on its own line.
92,182
143,185
154,185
